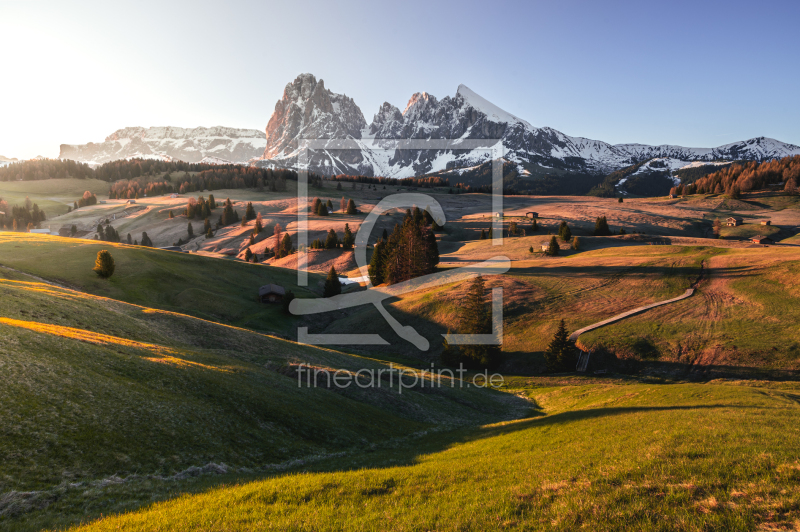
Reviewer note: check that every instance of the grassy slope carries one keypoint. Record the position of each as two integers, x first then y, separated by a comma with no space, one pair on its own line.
744,313
52,195
739,304
94,388
206,287
638,457
749,231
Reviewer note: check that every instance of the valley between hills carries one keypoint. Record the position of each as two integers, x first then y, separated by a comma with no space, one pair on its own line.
166,396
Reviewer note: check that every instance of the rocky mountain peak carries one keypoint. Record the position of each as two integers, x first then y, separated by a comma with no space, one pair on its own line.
308,110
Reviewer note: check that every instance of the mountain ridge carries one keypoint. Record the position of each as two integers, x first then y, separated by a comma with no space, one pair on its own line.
165,142
308,110
467,115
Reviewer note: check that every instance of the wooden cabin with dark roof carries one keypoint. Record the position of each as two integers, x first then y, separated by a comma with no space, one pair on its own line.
271,293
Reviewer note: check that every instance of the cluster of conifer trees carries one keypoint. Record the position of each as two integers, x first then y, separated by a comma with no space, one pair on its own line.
752,176
283,245
323,208
140,187
332,241
87,199
601,227
410,251
20,218
37,169
107,234
200,207
423,182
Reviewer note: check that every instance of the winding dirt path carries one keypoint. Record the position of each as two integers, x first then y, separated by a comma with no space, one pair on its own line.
688,293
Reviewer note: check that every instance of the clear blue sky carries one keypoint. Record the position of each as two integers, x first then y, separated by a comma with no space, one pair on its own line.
689,73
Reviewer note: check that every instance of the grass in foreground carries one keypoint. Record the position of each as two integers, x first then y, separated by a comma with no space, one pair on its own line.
636,457
96,391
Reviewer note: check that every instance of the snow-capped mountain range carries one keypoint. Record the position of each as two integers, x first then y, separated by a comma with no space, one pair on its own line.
191,145
308,110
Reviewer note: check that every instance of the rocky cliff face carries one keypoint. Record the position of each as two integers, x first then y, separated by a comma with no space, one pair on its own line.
307,111
190,145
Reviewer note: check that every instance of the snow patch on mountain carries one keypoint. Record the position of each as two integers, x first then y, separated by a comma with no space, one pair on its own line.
168,143
483,105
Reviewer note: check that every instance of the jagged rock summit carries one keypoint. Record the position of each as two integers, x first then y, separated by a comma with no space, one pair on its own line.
310,111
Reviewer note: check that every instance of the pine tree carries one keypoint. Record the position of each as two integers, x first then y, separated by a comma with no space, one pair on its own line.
560,354
286,245
146,240
206,225
483,235
376,264
129,237
601,227
418,217
564,232
329,206
250,212
576,243
534,227
620,199
431,251
475,319
190,229
315,206
332,284
348,240
211,203
332,241
530,249
552,249
351,206
259,223
104,264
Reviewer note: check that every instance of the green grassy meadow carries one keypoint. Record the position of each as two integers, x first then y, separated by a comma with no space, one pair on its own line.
208,288
53,196
96,391
711,456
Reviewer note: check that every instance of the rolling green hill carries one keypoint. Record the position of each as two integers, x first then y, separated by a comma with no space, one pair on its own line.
637,457
96,391
210,288
52,195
